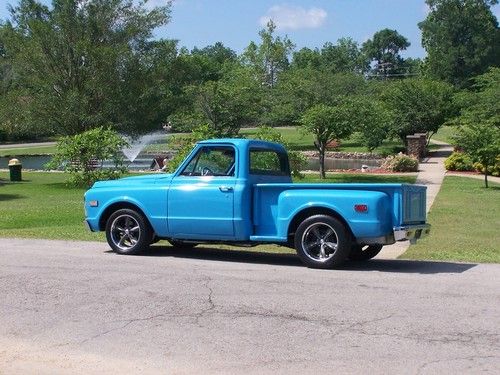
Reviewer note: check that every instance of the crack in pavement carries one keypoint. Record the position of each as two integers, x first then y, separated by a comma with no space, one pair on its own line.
468,358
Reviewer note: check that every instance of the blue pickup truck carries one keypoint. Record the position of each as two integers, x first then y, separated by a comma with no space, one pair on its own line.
239,191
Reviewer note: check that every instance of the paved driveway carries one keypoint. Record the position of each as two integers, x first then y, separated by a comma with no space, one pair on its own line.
74,307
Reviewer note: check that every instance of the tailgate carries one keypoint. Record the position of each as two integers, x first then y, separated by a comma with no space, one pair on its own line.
413,204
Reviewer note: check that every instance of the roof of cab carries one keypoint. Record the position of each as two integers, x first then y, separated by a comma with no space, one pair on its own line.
242,142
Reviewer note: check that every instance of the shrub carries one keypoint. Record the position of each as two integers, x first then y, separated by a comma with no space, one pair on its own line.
493,170
401,163
83,156
458,161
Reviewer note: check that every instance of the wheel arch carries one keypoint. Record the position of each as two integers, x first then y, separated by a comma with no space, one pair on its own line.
108,211
311,211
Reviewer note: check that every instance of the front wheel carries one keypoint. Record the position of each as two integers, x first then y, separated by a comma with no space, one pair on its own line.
366,252
128,232
322,241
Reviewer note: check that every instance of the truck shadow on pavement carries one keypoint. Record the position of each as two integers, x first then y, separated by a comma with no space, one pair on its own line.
284,259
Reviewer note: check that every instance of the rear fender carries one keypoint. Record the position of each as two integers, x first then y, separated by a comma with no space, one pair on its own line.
376,221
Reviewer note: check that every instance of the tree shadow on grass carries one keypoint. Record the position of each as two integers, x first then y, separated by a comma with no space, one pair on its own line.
281,259
9,197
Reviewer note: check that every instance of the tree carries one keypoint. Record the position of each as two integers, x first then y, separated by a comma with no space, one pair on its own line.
307,58
478,134
418,106
226,105
270,58
344,57
300,89
81,64
83,156
212,59
384,49
461,38
372,121
328,123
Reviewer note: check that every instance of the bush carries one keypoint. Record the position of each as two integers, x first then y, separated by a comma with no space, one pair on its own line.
493,170
458,161
401,163
83,156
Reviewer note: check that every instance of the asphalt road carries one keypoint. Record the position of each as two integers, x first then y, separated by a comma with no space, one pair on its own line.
75,307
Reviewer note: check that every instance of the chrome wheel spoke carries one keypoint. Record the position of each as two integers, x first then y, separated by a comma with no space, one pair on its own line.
319,241
122,240
125,232
331,245
328,233
316,232
311,245
322,252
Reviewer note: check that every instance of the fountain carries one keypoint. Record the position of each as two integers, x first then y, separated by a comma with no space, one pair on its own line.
136,145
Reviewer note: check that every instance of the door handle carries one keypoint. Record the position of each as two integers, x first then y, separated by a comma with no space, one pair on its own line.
225,189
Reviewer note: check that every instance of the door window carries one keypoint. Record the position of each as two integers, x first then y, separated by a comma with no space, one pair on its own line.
211,161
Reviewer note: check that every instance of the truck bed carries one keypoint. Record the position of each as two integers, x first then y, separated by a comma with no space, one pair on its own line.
404,205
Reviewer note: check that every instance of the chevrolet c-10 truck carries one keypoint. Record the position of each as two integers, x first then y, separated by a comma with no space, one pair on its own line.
240,192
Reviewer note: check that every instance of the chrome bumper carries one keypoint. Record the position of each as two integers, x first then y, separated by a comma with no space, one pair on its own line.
411,233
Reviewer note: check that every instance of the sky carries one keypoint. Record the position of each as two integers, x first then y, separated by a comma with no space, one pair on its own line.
308,23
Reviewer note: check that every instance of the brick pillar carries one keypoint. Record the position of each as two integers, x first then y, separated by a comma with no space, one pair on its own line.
413,145
423,143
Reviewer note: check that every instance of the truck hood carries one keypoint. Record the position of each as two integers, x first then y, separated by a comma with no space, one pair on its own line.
135,180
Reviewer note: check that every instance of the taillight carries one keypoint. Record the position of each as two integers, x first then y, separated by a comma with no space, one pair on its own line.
361,207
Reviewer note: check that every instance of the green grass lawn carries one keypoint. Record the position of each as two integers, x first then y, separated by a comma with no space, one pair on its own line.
42,206
465,223
19,151
444,134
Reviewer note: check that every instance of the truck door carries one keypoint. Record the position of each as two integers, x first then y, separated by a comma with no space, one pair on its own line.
201,196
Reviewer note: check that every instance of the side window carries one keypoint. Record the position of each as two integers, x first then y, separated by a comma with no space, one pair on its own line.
268,162
211,161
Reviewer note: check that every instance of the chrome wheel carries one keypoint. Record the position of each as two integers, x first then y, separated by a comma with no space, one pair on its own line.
125,232
319,241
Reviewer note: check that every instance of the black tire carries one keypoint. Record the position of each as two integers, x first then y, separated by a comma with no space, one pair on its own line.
322,241
128,232
178,244
366,252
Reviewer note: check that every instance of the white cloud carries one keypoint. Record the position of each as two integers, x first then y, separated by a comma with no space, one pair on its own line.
294,17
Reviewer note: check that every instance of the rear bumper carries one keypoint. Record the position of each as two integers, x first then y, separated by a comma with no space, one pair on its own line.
408,233
411,233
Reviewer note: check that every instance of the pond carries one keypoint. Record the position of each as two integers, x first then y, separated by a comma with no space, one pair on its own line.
145,161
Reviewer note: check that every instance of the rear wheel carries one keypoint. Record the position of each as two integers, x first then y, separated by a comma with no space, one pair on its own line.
322,241
359,252
128,232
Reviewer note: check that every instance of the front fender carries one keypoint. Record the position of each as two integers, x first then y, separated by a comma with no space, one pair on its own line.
153,206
